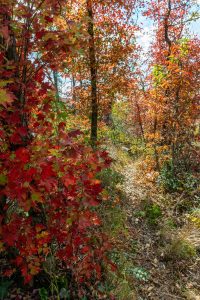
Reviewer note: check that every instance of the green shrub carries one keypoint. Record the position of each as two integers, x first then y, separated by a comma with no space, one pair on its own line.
153,213
110,179
170,223
172,180
43,294
167,178
4,288
137,147
190,182
181,249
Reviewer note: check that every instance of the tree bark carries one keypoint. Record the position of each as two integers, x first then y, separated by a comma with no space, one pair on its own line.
93,74
55,78
156,155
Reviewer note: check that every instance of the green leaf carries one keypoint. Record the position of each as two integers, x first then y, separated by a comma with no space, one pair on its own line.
140,273
55,152
36,197
3,179
43,294
4,287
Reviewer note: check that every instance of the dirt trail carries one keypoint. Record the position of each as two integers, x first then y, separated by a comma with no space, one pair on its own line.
167,279
127,167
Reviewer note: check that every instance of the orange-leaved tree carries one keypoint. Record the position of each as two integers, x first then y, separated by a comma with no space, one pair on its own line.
101,70
173,94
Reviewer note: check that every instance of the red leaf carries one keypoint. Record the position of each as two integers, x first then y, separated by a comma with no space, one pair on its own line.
14,118
28,175
10,238
85,249
69,251
22,131
2,135
97,268
23,155
113,266
96,220
40,34
48,19
18,260
69,180
5,32
74,133
47,171
9,272
27,278
15,138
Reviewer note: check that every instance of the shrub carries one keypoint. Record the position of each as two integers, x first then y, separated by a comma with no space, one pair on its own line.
181,249
153,213
110,179
167,178
47,209
172,180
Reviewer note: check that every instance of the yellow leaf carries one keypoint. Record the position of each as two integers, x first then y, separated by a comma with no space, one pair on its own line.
5,97
1,247
36,197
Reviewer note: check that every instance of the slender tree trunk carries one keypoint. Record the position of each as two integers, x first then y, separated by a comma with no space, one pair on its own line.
73,88
155,145
93,72
8,47
140,120
55,78
166,28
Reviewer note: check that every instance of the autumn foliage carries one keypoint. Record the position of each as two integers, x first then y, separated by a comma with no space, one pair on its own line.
174,94
165,99
49,189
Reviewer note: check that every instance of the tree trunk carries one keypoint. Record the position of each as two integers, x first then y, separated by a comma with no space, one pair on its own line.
140,120
93,72
73,88
55,78
155,145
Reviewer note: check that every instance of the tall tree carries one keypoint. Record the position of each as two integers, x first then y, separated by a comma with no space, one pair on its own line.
108,51
174,90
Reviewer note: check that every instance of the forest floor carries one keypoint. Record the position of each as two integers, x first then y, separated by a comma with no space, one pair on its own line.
163,269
